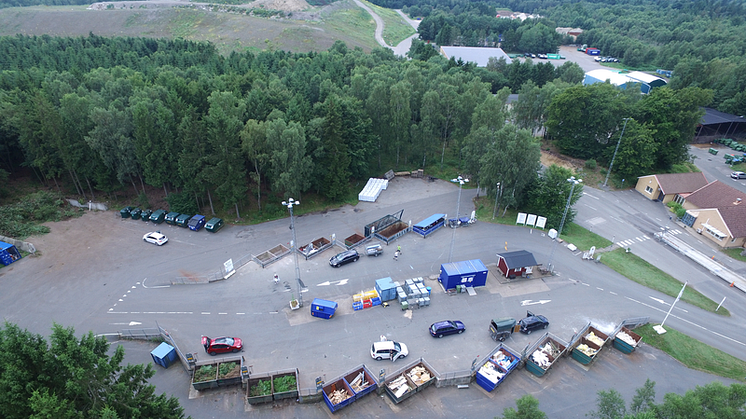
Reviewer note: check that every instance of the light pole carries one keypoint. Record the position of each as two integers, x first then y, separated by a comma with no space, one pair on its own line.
290,203
497,193
615,150
460,182
562,223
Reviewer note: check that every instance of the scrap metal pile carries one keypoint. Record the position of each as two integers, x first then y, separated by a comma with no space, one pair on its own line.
544,356
626,338
419,375
338,396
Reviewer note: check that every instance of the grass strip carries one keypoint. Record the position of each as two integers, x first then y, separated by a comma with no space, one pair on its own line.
693,353
642,272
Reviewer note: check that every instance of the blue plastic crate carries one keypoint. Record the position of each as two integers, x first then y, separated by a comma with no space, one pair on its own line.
376,301
357,305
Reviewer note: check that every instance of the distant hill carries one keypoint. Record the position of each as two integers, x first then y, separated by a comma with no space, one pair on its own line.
307,28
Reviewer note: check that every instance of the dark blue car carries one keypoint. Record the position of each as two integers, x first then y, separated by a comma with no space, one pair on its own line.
446,327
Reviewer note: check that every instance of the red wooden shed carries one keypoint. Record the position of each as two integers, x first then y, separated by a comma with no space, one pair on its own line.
513,264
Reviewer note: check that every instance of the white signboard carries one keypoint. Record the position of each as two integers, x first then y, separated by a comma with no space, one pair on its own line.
531,220
541,222
229,271
521,218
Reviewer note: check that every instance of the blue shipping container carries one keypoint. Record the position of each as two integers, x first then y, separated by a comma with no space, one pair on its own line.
323,308
470,273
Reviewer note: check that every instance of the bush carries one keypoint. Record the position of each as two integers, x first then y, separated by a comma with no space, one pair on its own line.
590,164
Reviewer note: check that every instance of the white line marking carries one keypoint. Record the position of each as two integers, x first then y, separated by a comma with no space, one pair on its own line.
589,195
600,289
205,312
240,313
613,293
591,207
222,313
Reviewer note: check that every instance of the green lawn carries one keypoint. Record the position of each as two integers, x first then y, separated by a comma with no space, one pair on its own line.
693,353
642,272
571,233
735,253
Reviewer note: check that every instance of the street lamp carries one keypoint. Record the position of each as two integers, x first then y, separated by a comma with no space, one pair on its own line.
615,150
497,194
290,203
460,182
562,223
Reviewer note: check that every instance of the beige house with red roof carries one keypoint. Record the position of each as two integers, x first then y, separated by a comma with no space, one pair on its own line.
718,212
670,186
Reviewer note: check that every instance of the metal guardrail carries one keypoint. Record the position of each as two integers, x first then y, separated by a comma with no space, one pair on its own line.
715,268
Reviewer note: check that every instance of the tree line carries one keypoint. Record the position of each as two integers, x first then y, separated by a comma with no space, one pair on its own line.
104,114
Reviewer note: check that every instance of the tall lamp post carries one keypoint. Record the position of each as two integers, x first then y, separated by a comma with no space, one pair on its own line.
460,182
562,223
615,150
497,194
290,203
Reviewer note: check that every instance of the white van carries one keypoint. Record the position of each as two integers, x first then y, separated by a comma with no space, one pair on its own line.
388,349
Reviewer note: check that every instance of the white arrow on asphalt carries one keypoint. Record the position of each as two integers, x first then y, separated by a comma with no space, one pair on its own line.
323,284
134,323
342,282
659,300
531,302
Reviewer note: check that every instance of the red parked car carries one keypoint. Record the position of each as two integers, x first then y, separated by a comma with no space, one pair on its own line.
221,345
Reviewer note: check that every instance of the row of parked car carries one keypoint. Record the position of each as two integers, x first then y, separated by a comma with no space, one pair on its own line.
193,222
606,60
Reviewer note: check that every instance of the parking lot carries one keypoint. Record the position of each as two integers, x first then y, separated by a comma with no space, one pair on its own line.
96,273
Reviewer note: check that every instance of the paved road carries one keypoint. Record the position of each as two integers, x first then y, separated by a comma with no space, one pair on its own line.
114,282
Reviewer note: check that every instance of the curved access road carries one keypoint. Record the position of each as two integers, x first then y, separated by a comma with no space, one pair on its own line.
403,46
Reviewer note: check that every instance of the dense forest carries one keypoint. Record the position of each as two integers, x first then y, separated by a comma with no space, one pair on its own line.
104,114
701,41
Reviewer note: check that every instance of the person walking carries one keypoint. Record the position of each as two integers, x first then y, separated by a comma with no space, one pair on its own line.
396,255
276,279
398,249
